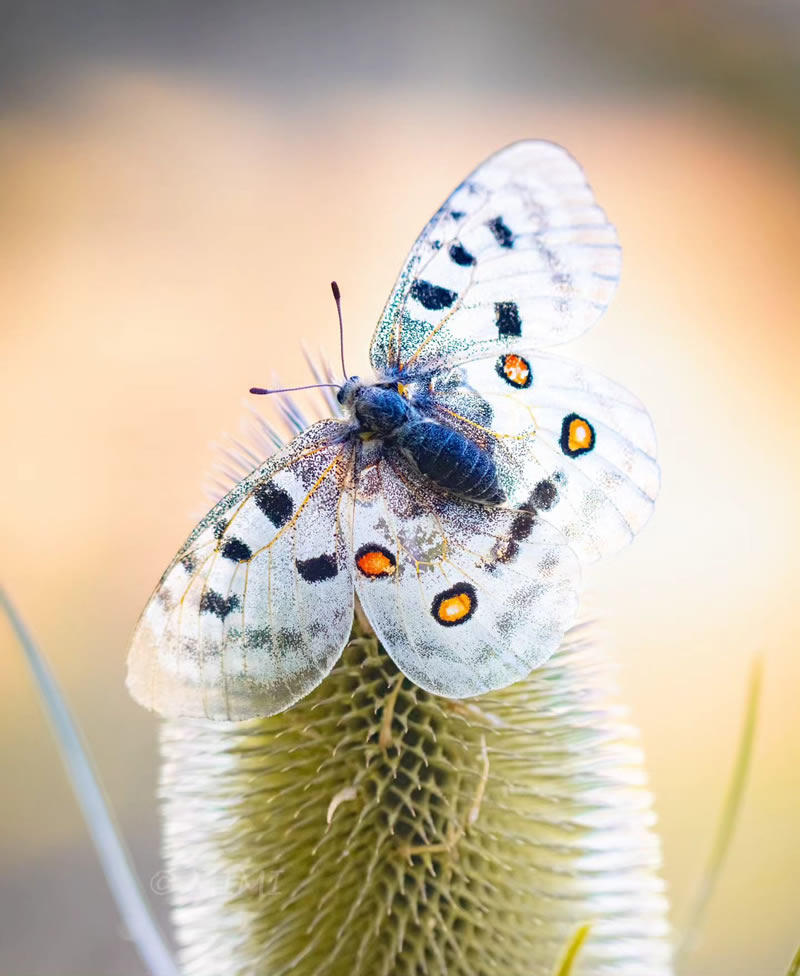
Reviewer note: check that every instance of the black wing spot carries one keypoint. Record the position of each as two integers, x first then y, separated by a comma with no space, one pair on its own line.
433,297
188,562
507,318
502,232
318,568
219,528
457,214
216,603
503,551
460,255
524,520
507,549
276,503
522,526
236,550
545,495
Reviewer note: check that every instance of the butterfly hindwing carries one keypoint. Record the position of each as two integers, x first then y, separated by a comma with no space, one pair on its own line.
519,253
465,598
258,604
581,444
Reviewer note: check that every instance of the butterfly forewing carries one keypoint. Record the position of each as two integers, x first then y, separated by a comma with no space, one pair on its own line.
464,598
257,606
519,253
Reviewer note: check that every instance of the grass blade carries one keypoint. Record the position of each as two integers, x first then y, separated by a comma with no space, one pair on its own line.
727,821
105,833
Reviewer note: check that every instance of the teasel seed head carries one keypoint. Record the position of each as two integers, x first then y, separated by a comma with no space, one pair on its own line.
375,829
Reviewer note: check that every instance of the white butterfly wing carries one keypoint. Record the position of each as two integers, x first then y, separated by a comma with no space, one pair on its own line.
519,253
581,447
256,607
463,597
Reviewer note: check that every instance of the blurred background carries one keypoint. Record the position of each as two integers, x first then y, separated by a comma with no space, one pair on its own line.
179,183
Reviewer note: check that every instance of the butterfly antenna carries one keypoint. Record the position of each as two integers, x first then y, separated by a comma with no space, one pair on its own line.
260,391
337,297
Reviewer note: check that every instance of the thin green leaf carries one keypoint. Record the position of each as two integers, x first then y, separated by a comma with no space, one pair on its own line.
106,837
728,819
574,946
794,967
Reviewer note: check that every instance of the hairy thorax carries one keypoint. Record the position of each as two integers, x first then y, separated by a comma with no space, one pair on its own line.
444,455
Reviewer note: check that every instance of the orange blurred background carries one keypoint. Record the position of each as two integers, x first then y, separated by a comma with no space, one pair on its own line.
174,204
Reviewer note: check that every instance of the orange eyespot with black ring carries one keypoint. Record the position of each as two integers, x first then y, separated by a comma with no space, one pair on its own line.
577,435
375,561
515,370
455,605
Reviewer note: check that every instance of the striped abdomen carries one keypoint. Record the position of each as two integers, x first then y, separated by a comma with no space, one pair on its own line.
450,460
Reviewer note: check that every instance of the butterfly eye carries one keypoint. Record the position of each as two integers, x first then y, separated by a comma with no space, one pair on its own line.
345,392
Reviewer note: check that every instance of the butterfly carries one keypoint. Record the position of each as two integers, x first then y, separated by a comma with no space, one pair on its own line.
456,496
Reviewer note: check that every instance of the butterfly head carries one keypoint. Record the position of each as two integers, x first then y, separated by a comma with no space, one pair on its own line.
348,391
